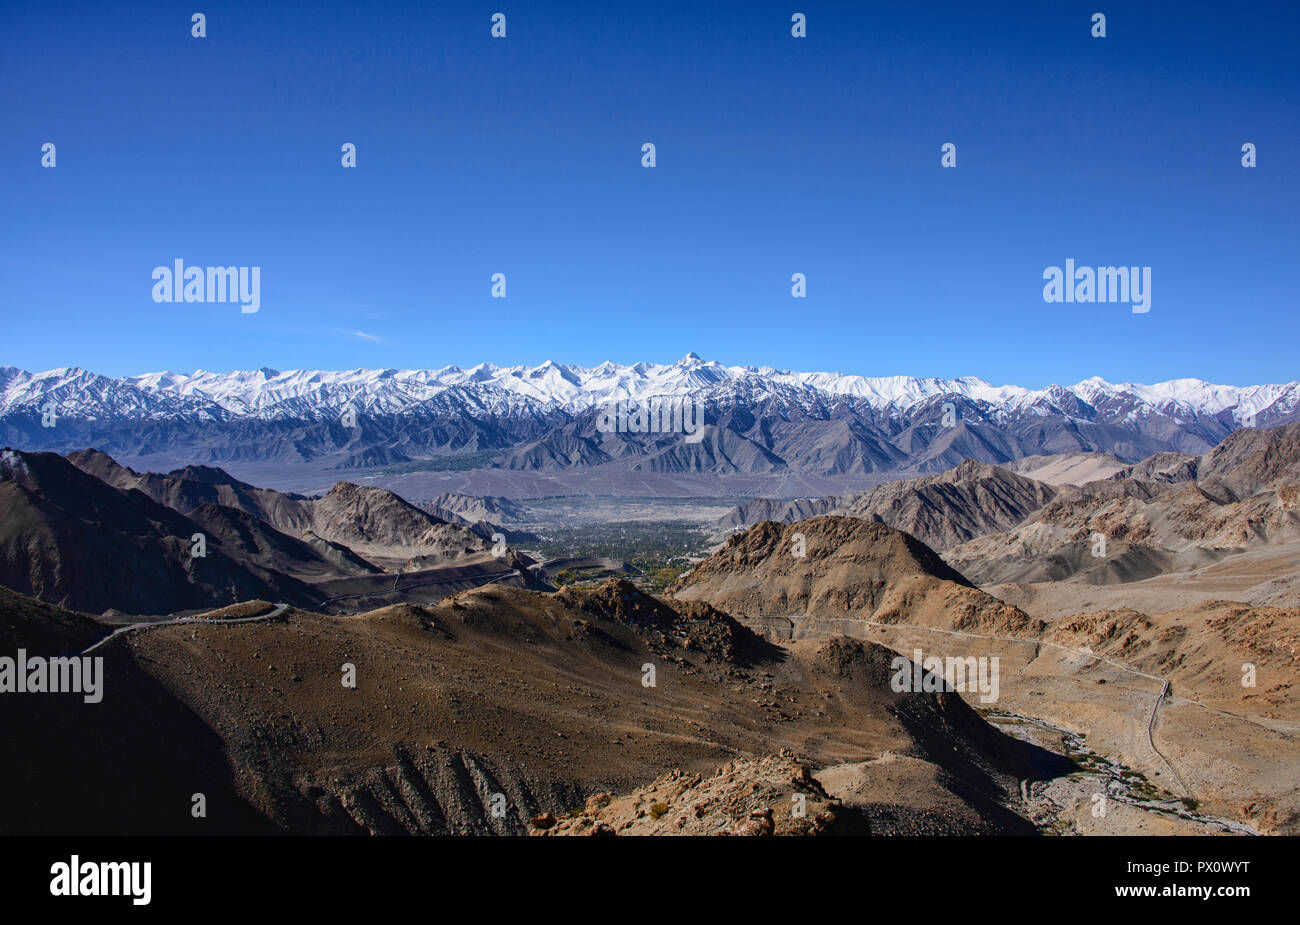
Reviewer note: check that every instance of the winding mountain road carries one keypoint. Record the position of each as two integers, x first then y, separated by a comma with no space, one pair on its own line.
177,621
278,609
1151,723
420,584
1151,728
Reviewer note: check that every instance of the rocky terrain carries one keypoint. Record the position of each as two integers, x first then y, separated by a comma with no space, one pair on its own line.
1220,738
372,523
758,697
89,534
488,517
1170,513
772,795
943,510
494,707
1174,519
849,568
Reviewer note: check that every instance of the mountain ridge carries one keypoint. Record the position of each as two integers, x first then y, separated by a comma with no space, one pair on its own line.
271,393
769,425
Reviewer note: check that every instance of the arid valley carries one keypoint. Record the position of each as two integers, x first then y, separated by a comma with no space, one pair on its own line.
355,662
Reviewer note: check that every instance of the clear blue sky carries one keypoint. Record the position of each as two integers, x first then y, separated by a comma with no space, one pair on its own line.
775,155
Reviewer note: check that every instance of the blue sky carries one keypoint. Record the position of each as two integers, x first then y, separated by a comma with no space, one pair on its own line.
775,155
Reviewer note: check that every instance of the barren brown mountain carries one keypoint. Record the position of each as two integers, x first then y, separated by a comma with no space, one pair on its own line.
1169,514
375,524
946,509
1222,735
941,510
764,683
68,538
540,698
86,533
833,568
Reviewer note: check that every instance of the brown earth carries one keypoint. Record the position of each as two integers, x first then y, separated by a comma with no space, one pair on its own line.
537,697
1169,514
773,795
850,569
943,510
1229,746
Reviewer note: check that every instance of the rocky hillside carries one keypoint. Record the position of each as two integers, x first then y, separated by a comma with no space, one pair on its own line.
849,569
942,510
373,523
946,509
1169,513
772,795
70,539
486,711
91,535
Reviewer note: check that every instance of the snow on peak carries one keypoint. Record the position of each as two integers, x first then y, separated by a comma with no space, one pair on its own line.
270,393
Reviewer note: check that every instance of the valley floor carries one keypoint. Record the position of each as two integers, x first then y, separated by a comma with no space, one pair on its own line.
1200,766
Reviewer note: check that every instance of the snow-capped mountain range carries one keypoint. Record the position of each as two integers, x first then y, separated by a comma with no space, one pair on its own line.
758,420
268,394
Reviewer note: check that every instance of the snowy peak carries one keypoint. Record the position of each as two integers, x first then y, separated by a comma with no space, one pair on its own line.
270,394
